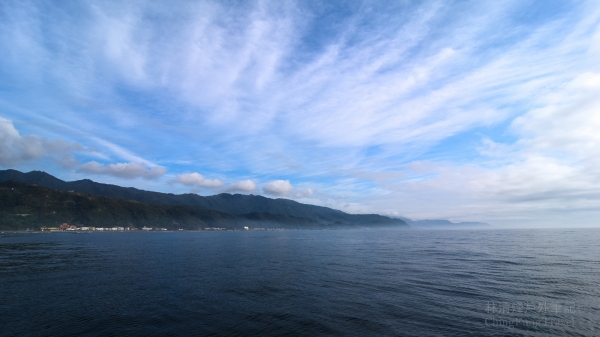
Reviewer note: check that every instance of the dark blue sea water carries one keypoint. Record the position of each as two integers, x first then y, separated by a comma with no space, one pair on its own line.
309,283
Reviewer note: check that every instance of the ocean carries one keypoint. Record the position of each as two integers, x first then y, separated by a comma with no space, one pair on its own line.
377,282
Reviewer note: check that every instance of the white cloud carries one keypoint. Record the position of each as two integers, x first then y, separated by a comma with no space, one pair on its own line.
567,121
124,170
196,180
16,149
303,193
241,186
278,188
550,175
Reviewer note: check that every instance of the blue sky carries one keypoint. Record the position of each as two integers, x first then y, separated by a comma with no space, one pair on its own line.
464,110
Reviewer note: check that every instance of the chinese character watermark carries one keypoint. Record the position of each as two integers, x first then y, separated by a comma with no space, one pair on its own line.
530,314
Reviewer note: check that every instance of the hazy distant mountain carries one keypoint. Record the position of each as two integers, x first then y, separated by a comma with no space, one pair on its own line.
249,207
442,223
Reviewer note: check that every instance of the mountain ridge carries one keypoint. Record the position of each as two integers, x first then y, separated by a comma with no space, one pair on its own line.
24,205
263,208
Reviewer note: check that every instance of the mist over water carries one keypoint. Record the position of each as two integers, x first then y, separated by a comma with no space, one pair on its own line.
533,282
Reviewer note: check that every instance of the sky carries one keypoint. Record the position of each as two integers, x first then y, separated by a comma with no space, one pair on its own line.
460,110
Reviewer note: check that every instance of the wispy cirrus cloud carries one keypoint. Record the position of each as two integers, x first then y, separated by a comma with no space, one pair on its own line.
551,169
378,100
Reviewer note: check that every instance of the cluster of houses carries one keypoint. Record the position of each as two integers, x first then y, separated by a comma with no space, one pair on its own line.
66,227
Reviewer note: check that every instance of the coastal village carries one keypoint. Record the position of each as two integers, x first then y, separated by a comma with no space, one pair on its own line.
66,227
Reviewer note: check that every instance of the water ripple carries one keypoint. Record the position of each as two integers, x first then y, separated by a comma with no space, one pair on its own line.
337,283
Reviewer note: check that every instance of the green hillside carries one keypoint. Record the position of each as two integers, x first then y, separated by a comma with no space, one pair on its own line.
24,206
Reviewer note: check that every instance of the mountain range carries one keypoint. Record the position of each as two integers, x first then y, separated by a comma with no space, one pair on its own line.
48,200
